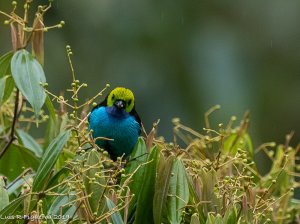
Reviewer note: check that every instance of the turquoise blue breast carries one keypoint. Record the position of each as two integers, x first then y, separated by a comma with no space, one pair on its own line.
120,126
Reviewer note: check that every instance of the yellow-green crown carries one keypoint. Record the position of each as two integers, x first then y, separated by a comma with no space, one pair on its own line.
123,94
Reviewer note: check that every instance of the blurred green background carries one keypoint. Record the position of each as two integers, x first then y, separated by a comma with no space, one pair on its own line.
182,57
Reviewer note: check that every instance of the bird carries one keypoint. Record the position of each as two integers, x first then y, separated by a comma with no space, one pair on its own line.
116,120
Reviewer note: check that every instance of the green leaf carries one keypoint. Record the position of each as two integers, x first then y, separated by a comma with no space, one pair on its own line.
138,157
6,88
144,210
249,145
211,219
13,208
4,199
194,188
4,63
48,160
28,74
2,88
209,179
6,82
234,141
97,188
162,187
30,143
178,195
61,205
116,216
17,158
9,87
230,216
280,172
53,125
58,177
17,183
50,108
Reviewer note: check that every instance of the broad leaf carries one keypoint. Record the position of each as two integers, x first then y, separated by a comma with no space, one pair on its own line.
48,160
137,158
162,187
28,75
17,158
178,193
95,188
144,210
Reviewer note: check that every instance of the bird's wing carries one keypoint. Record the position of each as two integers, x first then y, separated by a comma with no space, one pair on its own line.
137,117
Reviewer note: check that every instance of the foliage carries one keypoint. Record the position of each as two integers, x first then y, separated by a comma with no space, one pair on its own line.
64,177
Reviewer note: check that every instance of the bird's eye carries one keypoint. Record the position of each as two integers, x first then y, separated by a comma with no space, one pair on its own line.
129,102
113,97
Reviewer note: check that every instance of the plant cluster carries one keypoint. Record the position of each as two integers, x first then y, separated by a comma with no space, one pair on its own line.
66,178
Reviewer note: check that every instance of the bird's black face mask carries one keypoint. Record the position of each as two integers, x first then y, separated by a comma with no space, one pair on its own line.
120,104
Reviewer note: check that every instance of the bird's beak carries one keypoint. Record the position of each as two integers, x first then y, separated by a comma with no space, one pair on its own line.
119,104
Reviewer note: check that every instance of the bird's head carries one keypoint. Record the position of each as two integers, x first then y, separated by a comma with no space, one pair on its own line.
121,98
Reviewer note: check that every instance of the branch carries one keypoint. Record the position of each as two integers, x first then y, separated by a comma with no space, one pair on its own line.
12,136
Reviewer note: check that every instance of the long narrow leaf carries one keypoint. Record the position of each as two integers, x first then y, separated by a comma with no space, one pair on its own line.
30,143
38,39
16,184
4,199
2,88
116,216
53,124
6,87
4,63
6,82
9,87
48,160
13,208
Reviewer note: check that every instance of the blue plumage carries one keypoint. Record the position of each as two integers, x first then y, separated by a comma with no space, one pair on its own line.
114,122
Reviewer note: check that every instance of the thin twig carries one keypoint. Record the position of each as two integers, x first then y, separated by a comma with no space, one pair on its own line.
12,130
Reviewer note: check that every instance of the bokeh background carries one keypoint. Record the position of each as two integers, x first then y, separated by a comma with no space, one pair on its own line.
182,57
